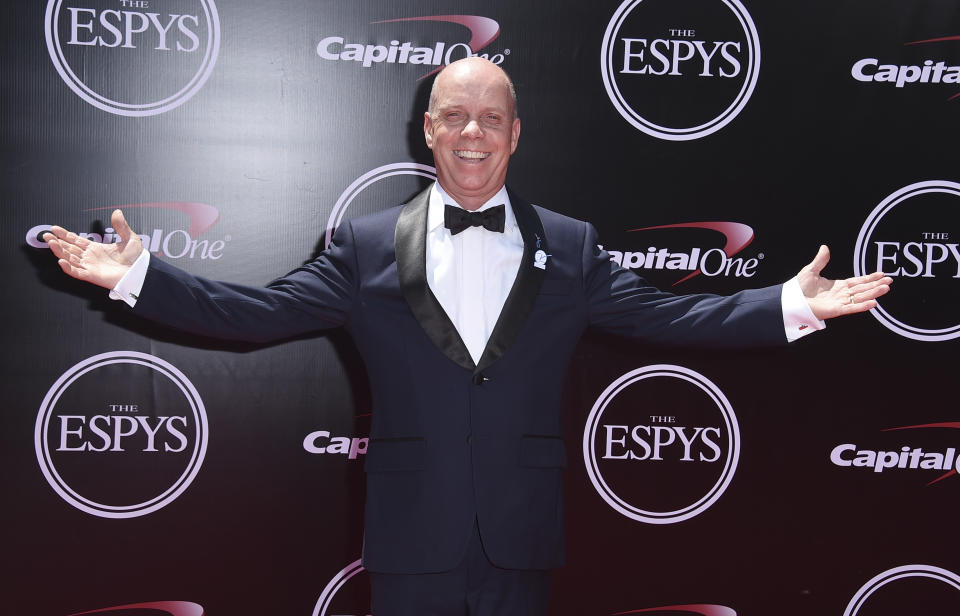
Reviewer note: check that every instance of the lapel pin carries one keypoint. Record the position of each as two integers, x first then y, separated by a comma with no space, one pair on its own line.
540,259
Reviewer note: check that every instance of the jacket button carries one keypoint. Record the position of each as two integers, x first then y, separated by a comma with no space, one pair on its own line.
478,379
469,439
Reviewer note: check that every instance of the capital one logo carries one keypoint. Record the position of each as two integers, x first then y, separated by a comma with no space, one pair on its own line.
483,31
133,57
913,236
678,69
918,589
920,70
174,243
661,444
937,454
121,434
721,261
383,195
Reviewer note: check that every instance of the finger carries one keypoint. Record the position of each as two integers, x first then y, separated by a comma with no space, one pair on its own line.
73,271
69,237
870,294
64,250
871,284
120,225
860,307
820,261
855,280
59,232
54,245
65,266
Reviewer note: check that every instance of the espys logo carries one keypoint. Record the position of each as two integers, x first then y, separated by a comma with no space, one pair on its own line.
121,434
664,426
680,70
698,259
483,31
912,236
921,589
150,56
383,196
921,71
175,244
340,598
173,608
940,454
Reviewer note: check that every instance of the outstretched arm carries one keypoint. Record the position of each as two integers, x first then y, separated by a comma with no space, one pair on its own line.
835,298
315,296
100,264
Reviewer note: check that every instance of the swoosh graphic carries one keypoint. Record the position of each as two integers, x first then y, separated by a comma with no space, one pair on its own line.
935,40
696,608
174,608
738,236
483,30
943,424
202,216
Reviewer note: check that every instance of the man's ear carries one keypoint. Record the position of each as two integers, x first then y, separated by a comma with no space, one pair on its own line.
514,135
428,129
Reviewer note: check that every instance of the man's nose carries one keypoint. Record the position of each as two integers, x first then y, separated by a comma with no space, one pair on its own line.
472,130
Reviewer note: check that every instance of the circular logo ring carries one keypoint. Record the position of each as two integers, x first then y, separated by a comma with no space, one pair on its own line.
733,444
122,511
665,132
860,258
898,573
341,578
99,101
365,180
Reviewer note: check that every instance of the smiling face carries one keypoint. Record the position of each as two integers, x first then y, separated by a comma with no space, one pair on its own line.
472,129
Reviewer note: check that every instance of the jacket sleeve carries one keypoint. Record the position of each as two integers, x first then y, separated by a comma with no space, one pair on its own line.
622,303
316,296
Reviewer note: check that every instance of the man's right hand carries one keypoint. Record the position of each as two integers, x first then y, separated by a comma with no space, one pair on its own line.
101,264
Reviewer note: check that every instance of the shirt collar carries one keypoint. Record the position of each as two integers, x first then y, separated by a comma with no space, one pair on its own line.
439,197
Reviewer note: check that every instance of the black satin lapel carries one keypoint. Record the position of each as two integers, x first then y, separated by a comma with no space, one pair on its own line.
410,246
525,288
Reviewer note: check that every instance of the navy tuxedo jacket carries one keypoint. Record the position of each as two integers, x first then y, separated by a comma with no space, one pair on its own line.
452,442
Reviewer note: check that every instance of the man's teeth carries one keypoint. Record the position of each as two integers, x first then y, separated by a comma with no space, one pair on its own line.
471,154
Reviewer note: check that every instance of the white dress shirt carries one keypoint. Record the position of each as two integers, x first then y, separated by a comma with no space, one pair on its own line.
471,274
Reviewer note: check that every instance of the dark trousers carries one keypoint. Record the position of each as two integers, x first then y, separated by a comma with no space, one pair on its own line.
474,588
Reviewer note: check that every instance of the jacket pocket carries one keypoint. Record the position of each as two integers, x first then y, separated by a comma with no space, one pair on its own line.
386,455
542,451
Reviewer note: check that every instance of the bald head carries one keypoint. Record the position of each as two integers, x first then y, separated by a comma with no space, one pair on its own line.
468,68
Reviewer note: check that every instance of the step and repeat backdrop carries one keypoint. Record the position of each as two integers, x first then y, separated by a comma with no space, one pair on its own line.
715,144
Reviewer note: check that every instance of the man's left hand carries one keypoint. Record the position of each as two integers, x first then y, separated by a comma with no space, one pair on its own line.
835,298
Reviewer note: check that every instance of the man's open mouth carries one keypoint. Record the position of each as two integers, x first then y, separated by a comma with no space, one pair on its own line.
471,155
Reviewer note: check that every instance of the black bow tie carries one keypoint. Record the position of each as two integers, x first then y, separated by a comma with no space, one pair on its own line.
457,219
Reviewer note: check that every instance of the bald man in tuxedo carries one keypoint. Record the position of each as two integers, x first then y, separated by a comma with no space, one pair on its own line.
466,304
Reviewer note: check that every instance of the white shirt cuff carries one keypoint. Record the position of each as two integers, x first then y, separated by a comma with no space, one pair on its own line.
798,318
128,289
